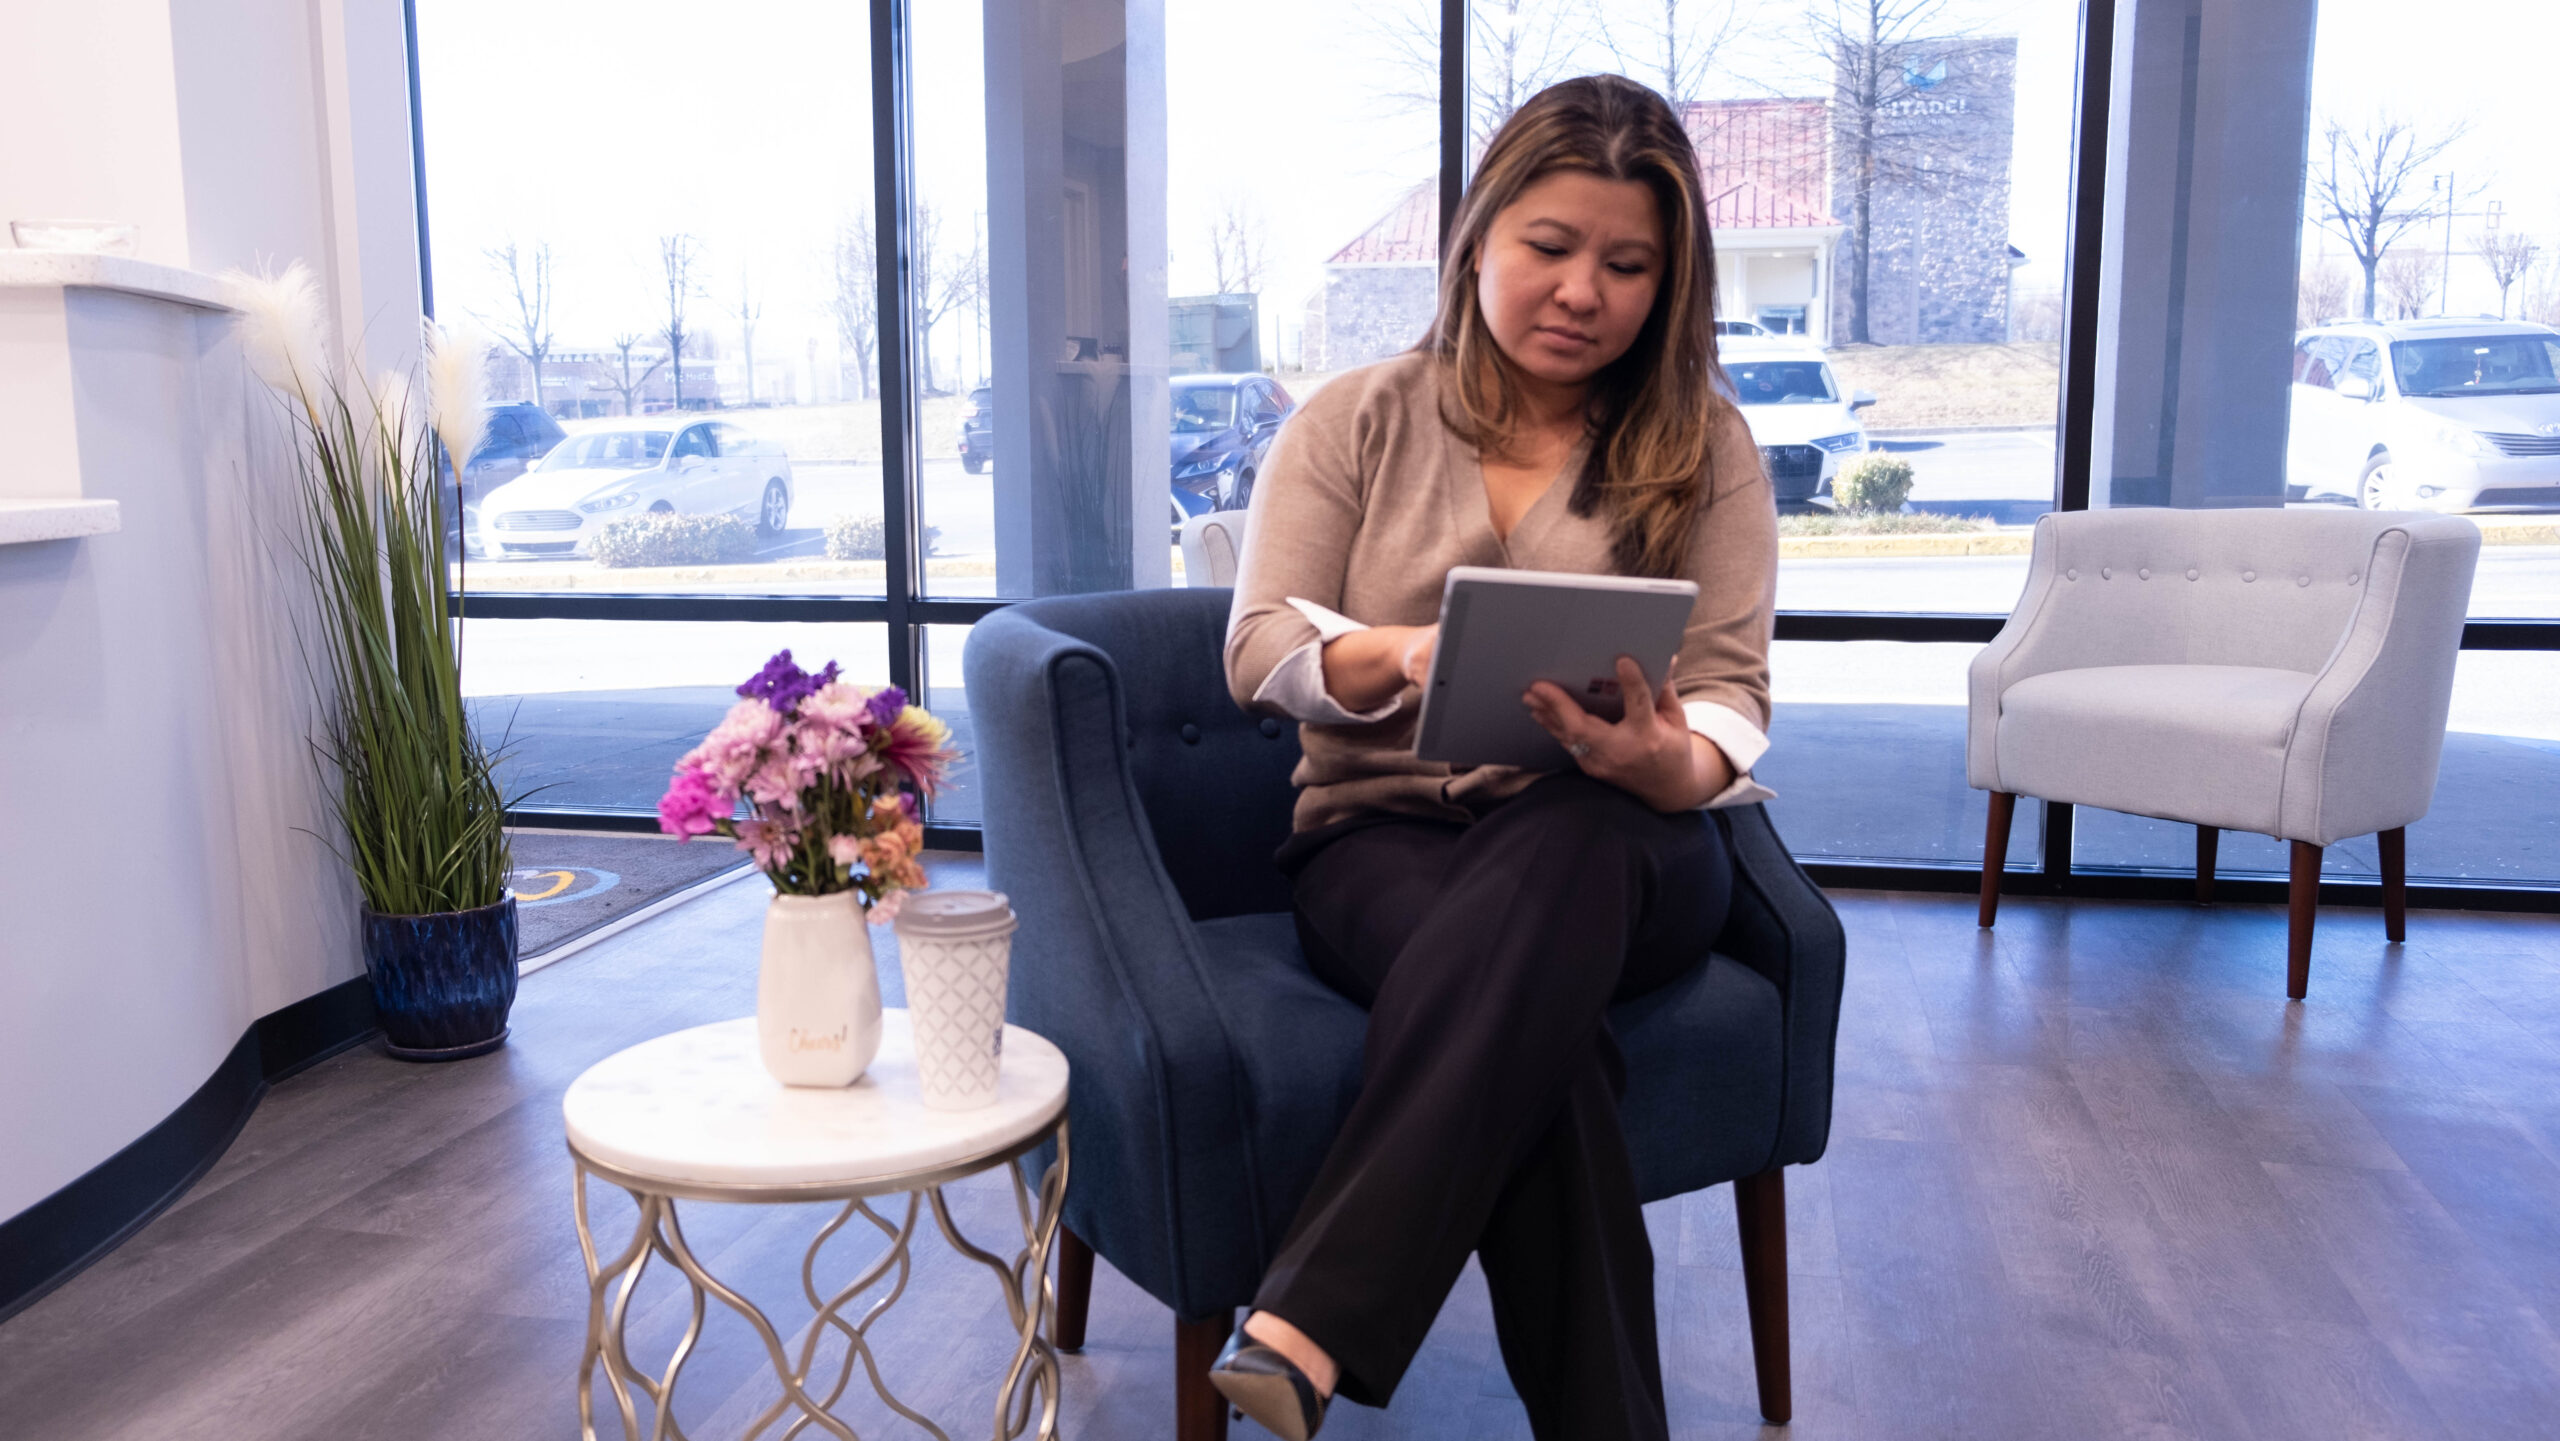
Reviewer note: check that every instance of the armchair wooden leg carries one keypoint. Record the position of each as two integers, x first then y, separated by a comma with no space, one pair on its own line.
2306,904
2208,844
2395,883
1075,1291
1995,853
1760,1210
1199,1412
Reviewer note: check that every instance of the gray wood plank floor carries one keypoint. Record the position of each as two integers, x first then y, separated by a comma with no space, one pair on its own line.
2090,1176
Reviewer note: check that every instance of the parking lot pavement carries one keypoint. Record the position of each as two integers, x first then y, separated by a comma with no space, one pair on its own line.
2004,474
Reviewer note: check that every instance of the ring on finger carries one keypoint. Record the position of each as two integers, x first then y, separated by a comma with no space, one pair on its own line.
1578,749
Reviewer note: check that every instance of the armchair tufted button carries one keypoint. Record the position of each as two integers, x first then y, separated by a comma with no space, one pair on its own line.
2146,572
2249,576
1190,734
2073,574
2192,572
1270,728
2302,580
2106,572
2352,577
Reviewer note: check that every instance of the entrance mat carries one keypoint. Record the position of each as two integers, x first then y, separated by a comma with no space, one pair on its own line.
568,883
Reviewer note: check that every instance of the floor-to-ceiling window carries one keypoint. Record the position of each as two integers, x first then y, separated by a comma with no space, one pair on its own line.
2329,284
981,301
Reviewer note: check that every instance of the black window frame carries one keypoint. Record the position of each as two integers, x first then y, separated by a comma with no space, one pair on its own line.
905,611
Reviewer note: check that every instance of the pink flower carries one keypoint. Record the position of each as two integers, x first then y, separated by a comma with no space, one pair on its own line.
737,746
692,805
845,851
884,910
920,746
771,843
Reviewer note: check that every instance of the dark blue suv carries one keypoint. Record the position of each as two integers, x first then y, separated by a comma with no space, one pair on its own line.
1222,430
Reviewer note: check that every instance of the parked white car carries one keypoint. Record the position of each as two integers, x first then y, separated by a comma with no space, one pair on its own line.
631,467
2428,415
1805,425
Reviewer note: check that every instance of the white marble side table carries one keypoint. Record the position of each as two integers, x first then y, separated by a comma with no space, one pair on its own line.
693,1116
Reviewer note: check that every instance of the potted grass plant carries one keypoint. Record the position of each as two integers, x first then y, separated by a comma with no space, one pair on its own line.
420,818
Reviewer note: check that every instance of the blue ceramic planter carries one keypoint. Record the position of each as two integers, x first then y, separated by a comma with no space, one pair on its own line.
442,984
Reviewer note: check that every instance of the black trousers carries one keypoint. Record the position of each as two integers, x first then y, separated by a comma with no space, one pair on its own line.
1487,1122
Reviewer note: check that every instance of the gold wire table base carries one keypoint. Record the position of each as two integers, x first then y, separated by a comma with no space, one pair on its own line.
1030,1383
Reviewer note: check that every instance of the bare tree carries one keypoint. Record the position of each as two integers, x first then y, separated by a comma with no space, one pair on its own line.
2540,302
677,257
747,311
2320,295
527,331
1674,46
2373,187
1520,49
947,279
1239,255
2408,281
624,383
1872,46
2508,254
855,261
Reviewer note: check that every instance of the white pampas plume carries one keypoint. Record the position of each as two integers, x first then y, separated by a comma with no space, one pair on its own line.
280,328
457,388
398,418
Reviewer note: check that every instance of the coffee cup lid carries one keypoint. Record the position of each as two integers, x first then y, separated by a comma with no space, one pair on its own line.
942,913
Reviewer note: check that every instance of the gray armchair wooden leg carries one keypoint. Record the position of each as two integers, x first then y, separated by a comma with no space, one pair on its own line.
1199,1412
2306,904
1760,1212
2395,883
2208,846
1075,1291
1995,853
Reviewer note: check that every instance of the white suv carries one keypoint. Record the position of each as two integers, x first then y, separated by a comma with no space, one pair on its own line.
1805,426
2428,414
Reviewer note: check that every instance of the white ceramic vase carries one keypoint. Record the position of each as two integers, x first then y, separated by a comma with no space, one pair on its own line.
817,995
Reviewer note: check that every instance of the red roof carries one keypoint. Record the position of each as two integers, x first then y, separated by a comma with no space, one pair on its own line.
1761,163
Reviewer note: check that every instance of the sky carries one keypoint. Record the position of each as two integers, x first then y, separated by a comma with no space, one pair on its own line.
597,127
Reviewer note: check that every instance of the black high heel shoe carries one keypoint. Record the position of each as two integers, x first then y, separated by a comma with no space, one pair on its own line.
1268,1387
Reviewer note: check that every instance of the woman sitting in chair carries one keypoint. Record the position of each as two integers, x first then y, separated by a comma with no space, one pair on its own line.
1566,413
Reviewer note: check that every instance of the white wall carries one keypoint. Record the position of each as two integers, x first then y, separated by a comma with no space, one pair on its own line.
160,887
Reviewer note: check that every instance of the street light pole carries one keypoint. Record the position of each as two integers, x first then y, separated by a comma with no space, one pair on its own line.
2444,287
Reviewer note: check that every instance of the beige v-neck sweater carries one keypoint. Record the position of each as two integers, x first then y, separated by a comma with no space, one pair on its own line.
1367,501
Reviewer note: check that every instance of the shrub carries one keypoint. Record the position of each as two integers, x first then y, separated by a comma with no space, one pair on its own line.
1876,484
660,538
864,537
857,537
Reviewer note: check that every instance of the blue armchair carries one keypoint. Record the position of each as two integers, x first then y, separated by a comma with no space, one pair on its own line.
1131,815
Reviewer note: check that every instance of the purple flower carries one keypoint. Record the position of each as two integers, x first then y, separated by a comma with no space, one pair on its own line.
885,705
783,685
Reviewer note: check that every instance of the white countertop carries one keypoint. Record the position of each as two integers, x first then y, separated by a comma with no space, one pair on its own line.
698,1107
22,521
54,269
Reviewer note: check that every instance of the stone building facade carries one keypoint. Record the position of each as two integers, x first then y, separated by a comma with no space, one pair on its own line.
1780,178
1937,168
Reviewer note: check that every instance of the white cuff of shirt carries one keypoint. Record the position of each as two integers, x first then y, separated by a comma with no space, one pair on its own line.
1296,684
1743,744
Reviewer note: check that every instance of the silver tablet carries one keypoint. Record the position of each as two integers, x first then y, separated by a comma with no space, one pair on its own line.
1503,630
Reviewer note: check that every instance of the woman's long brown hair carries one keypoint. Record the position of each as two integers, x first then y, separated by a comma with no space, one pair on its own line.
1654,410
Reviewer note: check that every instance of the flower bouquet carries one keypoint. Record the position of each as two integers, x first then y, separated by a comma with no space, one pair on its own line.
833,776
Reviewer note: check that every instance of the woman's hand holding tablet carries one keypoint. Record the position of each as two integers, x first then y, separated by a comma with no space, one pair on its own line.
1649,752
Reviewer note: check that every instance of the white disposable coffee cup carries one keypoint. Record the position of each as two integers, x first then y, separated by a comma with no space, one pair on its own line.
955,949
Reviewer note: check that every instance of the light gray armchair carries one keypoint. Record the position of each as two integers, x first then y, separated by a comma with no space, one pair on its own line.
1211,546
2277,671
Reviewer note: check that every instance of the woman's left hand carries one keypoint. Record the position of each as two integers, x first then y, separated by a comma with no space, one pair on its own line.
1650,752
